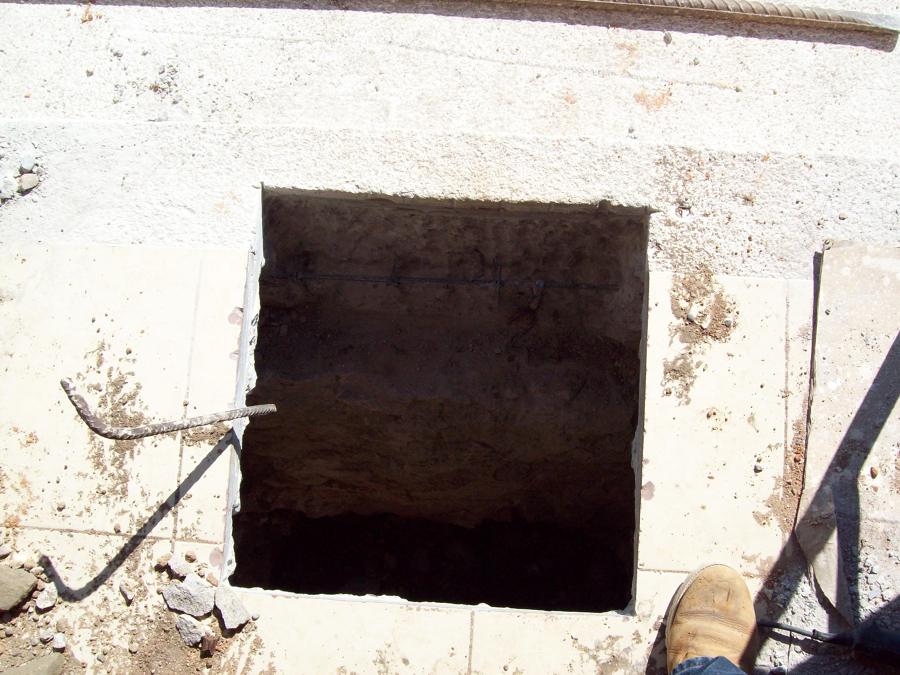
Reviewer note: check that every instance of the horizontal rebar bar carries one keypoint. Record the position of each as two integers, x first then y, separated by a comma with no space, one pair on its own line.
101,428
752,10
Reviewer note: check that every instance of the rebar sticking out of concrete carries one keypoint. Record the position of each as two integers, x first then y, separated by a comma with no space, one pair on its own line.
100,427
753,10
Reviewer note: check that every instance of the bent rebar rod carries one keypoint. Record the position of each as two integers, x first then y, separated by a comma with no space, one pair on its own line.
754,10
100,427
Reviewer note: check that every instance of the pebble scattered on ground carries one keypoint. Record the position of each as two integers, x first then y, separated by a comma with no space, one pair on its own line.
46,599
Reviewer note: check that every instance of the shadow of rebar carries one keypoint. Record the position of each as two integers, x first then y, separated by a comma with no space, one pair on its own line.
71,594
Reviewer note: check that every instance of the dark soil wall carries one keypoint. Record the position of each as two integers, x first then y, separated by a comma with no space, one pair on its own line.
454,365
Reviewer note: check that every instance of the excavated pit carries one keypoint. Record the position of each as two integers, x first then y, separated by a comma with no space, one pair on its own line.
457,387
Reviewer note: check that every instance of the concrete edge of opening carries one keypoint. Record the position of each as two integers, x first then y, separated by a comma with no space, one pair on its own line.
246,375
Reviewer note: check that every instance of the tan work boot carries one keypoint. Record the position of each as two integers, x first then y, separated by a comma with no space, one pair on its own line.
710,615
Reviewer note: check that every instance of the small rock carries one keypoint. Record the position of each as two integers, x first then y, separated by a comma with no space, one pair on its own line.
208,644
59,643
45,636
692,314
212,578
728,322
127,593
191,630
28,181
26,162
231,609
179,567
192,596
757,468
37,570
117,528
667,38
49,664
46,599
8,188
190,556
60,506
8,631
873,471
34,641
255,616
842,216
162,562
132,647
5,551
16,586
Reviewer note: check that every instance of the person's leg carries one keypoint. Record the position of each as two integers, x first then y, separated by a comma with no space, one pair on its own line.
705,665
710,616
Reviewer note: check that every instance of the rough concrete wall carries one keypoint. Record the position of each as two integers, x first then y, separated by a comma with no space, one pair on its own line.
156,122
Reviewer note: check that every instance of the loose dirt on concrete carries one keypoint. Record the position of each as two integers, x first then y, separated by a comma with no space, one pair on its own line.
705,314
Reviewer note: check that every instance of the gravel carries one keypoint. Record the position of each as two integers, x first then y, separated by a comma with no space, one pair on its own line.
59,642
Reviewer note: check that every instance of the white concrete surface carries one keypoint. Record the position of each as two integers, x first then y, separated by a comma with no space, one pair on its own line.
774,133
753,143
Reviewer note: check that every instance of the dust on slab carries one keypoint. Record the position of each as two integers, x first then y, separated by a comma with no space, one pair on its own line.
704,314
208,435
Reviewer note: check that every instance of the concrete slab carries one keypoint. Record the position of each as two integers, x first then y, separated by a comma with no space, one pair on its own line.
118,322
714,423
319,635
850,498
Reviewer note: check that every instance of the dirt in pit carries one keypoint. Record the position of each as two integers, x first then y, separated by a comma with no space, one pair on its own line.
705,314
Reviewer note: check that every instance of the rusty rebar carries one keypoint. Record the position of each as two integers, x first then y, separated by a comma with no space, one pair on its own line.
753,10
101,428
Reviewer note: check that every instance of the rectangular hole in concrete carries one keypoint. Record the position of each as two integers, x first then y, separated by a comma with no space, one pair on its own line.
457,386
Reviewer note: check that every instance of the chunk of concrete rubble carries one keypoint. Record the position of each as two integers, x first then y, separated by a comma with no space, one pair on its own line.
16,586
231,609
51,664
179,567
192,596
28,181
46,599
59,643
191,630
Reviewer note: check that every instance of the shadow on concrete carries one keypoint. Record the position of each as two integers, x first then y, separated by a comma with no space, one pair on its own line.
842,477
71,594
558,12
